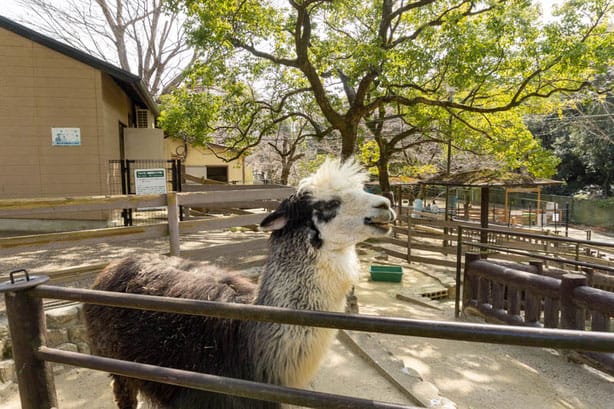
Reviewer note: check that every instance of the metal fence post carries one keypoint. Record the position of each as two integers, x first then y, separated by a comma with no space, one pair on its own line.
28,332
409,210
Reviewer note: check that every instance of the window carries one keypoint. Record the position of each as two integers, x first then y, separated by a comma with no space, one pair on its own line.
219,173
142,118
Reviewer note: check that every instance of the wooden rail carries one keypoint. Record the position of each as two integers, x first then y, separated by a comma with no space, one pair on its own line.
173,229
507,294
423,240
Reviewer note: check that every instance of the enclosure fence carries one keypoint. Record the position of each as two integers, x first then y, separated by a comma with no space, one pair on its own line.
35,377
24,297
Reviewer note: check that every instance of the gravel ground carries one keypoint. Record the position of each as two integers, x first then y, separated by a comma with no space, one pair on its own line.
473,375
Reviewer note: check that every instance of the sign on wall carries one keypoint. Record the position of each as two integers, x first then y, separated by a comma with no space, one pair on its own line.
66,136
150,181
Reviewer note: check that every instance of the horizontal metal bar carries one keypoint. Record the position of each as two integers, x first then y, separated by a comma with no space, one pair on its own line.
539,256
497,334
213,383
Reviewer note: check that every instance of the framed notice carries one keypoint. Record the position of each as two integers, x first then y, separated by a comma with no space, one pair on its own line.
150,181
66,136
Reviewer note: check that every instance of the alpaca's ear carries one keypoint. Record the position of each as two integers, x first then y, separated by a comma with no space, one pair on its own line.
275,221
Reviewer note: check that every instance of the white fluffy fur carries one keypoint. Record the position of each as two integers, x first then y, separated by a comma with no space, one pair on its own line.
337,265
334,177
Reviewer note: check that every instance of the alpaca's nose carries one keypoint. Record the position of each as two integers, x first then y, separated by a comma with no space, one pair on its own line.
385,213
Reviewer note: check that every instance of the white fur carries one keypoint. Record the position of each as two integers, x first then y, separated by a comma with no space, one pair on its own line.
300,350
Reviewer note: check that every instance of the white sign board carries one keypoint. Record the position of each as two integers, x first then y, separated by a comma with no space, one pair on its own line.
150,181
66,136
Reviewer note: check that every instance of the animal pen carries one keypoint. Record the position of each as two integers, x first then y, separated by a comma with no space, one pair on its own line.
24,295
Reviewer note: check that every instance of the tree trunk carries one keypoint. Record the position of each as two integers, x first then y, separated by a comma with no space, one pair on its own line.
348,139
285,173
384,177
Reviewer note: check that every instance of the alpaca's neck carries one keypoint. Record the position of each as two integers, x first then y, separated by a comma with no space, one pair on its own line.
300,277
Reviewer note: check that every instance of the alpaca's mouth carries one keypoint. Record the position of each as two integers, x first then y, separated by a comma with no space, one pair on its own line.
378,223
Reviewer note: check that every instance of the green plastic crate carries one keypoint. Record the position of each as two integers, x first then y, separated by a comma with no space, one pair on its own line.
392,274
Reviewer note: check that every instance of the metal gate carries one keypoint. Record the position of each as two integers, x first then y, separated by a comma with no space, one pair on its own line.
122,181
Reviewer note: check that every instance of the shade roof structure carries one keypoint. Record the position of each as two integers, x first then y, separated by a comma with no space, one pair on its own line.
489,178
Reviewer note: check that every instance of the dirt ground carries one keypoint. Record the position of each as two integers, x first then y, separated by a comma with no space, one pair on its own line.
472,375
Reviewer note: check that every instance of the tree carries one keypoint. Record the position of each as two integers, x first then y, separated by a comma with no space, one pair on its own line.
141,36
357,57
582,136
280,153
228,106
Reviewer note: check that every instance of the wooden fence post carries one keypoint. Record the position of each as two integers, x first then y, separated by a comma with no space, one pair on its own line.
173,223
28,332
408,235
571,318
533,303
469,283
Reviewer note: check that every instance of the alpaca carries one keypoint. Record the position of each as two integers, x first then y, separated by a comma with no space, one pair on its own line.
312,265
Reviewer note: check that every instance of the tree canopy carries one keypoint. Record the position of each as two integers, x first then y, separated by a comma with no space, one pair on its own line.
481,64
582,136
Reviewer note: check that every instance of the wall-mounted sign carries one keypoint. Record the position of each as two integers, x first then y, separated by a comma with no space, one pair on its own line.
66,136
150,181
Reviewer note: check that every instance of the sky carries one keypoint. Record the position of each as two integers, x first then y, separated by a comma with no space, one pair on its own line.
11,9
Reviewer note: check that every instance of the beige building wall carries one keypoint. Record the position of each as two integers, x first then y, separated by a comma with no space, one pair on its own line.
198,158
41,89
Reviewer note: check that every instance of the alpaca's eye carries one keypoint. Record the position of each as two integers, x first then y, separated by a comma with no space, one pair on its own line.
325,211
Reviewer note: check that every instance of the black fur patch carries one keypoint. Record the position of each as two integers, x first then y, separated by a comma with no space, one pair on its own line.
299,211
326,210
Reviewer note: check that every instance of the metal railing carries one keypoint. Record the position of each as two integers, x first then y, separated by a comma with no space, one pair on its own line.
35,378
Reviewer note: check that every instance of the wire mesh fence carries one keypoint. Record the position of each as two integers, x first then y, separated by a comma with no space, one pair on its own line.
131,176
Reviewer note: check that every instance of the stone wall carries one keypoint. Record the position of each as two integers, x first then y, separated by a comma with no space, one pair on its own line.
65,331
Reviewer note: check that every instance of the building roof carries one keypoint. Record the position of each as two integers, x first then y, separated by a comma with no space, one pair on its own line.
489,177
130,83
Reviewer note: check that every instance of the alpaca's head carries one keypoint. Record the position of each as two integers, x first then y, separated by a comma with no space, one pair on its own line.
333,204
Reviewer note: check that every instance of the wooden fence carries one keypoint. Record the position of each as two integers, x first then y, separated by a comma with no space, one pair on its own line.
519,294
431,237
235,199
435,242
36,383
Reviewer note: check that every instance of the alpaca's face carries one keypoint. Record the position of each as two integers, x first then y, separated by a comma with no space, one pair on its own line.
334,203
351,217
